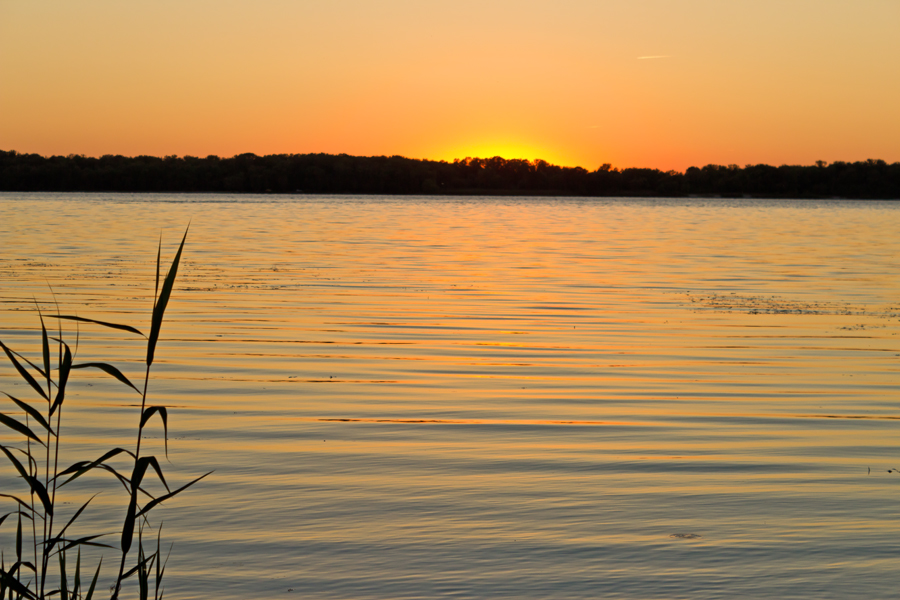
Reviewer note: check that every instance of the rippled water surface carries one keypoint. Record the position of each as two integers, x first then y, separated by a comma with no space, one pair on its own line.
489,397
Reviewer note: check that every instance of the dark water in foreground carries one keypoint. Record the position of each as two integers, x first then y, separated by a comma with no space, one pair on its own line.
492,398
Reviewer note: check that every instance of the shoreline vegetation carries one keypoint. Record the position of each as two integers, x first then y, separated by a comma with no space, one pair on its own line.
344,174
41,539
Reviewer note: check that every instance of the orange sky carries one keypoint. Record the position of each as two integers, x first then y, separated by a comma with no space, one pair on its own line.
737,81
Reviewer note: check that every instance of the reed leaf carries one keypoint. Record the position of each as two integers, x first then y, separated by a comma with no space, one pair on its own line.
96,322
160,563
21,502
14,586
142,562
162,300
76,585
84,541
150,505
65,367
15,461
128,525
164,415
77,514
150,461
110,370
38,488
82,467
45,348
32,412
30,364
143,572
137,476
90,592
158,260
63,578
27,565
19,427
25,374
122,479
19,540
126,482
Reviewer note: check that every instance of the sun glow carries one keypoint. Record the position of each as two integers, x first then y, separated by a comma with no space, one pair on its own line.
578,83
504,148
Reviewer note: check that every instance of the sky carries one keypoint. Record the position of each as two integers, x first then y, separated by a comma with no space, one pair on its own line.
663,84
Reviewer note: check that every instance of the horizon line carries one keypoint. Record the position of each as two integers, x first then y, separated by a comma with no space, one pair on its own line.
609,166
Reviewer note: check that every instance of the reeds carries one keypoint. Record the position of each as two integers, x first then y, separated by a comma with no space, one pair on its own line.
43,550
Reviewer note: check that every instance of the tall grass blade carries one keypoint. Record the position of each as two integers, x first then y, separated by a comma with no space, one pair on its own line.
122,479
160,564
32,412
142,573
14,586
159,307
142,562
84,541
19,540
164,415
15,461
25,374
90,592
27,565
150,461
30,364
110,370
45,349
19,427
96,322
82,467
21,503
158,260
63,577
65,367
137,476
38,488
128,526
150,505
76,586
62,532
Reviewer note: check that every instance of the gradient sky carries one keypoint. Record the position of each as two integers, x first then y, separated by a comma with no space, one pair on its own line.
653,83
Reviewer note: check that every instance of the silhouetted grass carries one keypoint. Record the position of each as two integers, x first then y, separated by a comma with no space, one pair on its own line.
43,550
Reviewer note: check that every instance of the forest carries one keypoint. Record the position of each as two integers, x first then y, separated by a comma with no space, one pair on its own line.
344,174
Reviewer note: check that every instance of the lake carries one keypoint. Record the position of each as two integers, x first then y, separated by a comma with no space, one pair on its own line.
436,397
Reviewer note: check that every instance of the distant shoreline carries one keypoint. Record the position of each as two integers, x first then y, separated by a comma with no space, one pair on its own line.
397,175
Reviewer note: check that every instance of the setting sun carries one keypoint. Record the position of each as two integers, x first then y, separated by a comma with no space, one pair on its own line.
509,150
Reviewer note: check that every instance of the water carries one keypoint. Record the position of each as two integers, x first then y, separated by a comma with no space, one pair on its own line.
489,397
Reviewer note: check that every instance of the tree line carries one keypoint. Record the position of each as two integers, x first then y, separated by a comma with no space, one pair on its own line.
344,174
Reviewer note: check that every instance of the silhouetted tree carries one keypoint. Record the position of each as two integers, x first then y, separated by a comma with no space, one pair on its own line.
344,174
